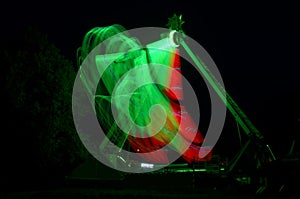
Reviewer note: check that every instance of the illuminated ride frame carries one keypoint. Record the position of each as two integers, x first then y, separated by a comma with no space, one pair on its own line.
264,152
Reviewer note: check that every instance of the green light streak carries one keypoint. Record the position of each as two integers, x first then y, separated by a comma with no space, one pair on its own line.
142,99
122,54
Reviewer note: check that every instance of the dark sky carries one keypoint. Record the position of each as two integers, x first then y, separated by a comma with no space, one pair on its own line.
255,46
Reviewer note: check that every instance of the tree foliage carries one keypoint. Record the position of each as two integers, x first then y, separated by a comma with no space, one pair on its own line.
38,84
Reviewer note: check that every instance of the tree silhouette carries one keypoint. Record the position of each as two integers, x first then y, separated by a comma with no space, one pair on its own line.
37,94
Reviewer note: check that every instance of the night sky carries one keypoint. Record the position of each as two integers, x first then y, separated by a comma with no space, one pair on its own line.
256,47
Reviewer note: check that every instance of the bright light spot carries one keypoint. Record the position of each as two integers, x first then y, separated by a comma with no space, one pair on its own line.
171,36
147,165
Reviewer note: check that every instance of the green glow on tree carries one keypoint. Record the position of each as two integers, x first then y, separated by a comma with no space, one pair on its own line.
175,23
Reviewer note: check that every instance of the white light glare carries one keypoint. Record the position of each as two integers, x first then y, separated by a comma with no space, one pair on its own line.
147,165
